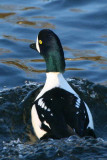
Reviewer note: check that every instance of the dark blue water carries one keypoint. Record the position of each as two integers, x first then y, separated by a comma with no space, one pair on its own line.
81,26
17,139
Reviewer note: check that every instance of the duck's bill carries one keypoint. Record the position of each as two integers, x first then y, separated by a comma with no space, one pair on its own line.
33,46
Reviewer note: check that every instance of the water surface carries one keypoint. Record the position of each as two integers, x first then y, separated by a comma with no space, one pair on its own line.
81,26
17,138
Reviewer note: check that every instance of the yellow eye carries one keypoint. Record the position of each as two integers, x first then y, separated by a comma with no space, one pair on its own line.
40,42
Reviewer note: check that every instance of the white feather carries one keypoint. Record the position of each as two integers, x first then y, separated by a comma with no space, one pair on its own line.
90,124
51,114
37,45
40,102
48,110
46,124
78,103
42,115
36,123
56,79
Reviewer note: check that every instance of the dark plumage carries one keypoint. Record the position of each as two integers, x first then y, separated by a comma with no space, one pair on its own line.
58,111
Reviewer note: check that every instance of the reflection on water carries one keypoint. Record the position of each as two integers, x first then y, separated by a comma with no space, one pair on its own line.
77,10
3,15
9,7
17,39
102,42
44,17
74,69
104,36
22,65
37,24
26,22
29,8
81,27
97,58
4,50
79,52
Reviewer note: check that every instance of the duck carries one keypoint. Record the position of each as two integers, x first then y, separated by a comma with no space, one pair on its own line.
58,111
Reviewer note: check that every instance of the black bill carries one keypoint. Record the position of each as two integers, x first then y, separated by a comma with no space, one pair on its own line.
33,46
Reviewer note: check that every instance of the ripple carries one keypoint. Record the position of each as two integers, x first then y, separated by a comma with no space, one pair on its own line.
81,25
77,10
17,63
4,50
79,52
86,55
101,42
30,8
37,60
22,65
74,69
17,39
4,15
37,24
10,7
104,36
96,58
44,17
26,22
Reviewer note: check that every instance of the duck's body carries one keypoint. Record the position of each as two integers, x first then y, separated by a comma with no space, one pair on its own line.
58,110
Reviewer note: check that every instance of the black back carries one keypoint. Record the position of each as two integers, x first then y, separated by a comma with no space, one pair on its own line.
65,119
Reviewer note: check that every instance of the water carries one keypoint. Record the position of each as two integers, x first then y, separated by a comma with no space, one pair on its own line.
17,140
80,25
82,29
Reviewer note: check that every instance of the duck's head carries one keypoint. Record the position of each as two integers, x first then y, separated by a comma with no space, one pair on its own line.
49,46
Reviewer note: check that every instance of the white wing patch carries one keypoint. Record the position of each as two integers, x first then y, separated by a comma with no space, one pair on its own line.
90,124
48,109
47,124
45,108
77,112
78,103
42,115
51,114
36,123
42,104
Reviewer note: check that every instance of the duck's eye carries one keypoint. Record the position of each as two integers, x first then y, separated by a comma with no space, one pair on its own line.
40,41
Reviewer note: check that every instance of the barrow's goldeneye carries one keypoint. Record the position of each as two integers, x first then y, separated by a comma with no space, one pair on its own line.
58,111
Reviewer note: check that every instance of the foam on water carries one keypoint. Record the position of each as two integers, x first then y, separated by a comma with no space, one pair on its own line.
17,138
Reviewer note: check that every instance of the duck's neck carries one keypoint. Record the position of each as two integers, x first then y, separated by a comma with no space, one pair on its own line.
54,59
55,79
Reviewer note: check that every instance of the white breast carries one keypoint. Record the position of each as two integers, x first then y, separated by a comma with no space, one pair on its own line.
56,79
